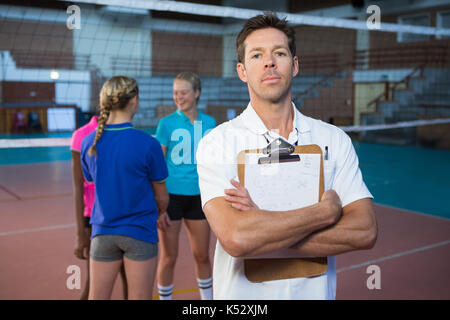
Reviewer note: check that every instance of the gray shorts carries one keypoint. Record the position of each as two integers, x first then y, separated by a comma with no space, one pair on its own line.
107,248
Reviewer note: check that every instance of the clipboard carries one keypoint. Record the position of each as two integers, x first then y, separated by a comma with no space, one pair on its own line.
259,270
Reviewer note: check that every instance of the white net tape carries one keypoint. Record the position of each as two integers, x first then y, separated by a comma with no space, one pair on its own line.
62,142
405,124
241,13
38,142
227,12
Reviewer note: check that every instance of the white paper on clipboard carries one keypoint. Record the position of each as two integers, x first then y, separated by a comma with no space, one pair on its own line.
283,186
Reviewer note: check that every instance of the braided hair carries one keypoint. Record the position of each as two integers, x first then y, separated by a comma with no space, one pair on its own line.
114,95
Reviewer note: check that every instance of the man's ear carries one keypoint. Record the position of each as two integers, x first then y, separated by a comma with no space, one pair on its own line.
242,73
295,68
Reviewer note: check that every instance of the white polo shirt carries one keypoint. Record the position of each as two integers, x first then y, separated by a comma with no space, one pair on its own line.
217,164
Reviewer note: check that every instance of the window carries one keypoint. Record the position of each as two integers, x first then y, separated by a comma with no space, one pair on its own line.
443,21
422,20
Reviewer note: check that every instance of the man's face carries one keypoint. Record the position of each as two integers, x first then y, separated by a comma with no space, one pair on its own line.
268,66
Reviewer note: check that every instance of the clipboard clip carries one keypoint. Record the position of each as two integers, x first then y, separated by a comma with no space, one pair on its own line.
279,151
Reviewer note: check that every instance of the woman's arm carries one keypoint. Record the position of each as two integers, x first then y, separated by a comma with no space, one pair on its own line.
164,149
82,242
162,201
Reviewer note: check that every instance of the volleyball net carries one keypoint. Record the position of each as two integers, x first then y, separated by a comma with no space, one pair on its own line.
385,83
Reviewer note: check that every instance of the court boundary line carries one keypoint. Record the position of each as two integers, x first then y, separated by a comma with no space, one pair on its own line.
46,196
33,163
393,256
11,193
177,291
47,228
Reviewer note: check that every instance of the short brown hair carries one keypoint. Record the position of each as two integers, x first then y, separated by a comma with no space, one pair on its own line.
263,21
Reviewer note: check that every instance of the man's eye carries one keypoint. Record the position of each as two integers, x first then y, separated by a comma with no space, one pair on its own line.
256,56
280,54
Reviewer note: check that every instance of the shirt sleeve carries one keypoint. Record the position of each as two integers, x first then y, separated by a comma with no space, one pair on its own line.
162,134
75,143
348,181
157,164
216,166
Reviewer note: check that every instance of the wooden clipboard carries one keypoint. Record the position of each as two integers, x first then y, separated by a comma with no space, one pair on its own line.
259,270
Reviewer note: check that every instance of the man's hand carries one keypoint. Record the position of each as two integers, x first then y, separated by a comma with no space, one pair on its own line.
239,197
163,221
331,201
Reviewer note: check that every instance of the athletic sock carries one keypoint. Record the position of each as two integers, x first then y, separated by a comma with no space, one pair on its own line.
205,286
165,293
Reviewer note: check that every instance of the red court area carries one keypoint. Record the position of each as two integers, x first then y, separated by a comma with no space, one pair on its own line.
37,236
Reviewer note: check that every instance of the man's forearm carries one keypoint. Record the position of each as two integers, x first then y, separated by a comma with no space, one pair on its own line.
256,232
329,241
280,231
356,230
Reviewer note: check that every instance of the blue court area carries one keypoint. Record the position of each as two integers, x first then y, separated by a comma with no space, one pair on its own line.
11,156
410,178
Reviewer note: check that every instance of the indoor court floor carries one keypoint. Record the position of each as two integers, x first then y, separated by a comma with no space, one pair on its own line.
411,188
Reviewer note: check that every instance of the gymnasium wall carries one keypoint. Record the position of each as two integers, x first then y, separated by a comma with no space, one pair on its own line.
176,52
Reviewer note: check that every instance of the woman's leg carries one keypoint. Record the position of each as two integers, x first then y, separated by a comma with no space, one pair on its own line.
102,278
168,249
199,233
105,263
85,292
199,237
140,278
124,282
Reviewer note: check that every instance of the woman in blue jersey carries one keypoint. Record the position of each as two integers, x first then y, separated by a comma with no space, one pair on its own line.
129,170
179,134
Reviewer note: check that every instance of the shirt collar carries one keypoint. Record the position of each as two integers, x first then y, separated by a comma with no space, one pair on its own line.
182,115
254,123
185,117
301,122
119,126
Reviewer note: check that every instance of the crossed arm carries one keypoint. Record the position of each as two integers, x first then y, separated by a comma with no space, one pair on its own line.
323,229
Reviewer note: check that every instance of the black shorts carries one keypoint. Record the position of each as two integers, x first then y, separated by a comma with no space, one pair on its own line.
187,207
87,222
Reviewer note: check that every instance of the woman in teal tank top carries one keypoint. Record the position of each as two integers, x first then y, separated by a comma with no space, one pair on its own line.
179,134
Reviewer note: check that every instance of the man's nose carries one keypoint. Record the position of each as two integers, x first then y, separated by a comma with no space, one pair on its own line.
270,62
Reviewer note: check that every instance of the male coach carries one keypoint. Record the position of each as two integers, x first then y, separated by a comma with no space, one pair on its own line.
342,221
